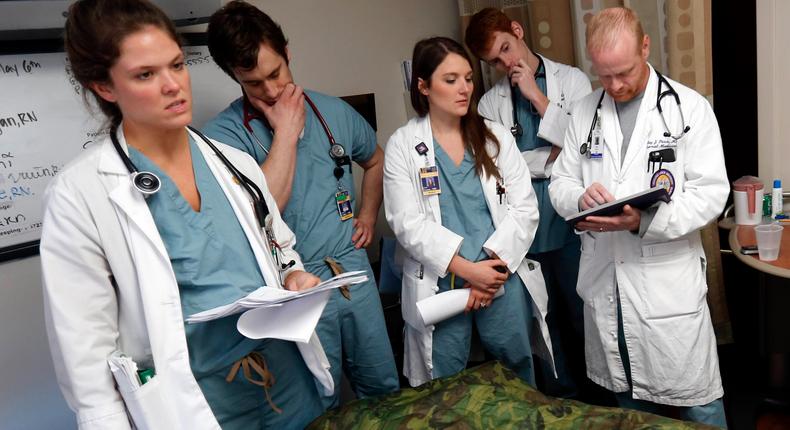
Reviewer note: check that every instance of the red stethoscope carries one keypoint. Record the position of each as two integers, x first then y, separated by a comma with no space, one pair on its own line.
336,151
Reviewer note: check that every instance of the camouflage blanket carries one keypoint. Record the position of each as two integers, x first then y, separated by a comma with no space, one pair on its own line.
486,397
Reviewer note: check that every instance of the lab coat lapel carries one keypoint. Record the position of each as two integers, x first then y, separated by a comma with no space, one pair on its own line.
553,92
641,126
505,104
241,204
126,197
488,183
424,134
612,135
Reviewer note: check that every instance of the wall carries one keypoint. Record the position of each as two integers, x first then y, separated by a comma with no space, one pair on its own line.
339,47
773,90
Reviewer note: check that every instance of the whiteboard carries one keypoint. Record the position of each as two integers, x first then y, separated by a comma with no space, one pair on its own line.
44,123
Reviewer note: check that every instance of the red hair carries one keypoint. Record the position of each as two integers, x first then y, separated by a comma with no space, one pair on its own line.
482,26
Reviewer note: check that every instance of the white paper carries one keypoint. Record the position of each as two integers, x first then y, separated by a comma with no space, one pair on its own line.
294,320
124,369
269,297
439,307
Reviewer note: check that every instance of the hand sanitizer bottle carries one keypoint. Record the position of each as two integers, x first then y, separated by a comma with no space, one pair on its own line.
776,198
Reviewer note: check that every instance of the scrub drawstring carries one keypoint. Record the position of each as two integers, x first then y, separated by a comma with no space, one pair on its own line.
337,269
255,361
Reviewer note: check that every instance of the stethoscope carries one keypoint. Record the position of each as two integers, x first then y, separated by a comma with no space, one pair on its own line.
586,148
148,184
336,151
517,130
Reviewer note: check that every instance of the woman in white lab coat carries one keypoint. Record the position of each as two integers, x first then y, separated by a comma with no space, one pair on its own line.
458,197
122,270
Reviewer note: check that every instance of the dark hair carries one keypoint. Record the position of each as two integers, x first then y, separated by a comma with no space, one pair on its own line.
482,25
93,35
428,54
235,34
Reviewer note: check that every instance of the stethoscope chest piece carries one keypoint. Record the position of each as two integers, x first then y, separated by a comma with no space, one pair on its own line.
337,151
146,183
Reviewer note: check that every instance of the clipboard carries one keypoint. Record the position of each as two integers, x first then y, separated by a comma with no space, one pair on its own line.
640,200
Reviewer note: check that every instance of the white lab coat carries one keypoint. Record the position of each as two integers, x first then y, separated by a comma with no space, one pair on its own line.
417,223
564,86
660,276
109,287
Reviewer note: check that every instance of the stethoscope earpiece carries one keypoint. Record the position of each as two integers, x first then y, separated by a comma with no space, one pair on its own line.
146,183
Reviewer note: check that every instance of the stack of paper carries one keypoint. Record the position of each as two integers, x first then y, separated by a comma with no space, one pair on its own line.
439,307
124,369
267,297
294,320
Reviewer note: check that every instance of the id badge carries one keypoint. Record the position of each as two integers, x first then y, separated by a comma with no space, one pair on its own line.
595,150
595,144
343,201
429,179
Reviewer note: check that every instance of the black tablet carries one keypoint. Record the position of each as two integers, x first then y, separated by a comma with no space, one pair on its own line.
640,200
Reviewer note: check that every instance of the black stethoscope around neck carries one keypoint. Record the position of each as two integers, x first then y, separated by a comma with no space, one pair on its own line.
586,148
148,183
336,151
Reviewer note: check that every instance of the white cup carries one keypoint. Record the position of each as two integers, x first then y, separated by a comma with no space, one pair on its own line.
769,238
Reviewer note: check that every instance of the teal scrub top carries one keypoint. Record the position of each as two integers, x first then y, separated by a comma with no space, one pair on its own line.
463,207
311,212
212,259
553,232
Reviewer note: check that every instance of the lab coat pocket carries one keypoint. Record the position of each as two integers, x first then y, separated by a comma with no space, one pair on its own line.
672,282
592,270
415,287
148,407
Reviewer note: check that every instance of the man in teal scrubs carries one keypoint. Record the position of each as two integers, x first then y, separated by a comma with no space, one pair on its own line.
287,130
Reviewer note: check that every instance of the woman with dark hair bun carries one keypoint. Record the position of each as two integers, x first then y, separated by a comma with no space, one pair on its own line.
152,225
458,197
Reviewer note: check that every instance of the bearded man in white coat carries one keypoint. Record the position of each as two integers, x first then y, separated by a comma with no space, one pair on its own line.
648,332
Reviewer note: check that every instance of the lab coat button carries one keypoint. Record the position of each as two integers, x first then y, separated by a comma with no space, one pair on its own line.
435,289
611,299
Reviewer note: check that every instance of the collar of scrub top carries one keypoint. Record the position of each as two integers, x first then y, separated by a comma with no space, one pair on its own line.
336,151
540,72
147,183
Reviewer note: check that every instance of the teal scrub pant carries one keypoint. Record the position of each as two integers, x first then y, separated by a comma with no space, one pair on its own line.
354,335
504,331
243,405
711,413
565,319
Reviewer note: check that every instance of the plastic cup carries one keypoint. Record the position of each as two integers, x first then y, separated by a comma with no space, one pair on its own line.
769,238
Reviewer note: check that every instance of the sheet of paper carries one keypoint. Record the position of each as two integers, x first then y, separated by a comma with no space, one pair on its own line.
269,297
294,320
448,304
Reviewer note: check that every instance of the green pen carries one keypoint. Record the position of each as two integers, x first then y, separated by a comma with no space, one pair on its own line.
145,375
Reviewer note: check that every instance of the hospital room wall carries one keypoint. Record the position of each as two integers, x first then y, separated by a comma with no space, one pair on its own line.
339,47
773,90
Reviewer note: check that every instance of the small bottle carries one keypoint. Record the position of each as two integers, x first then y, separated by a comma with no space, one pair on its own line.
776,198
